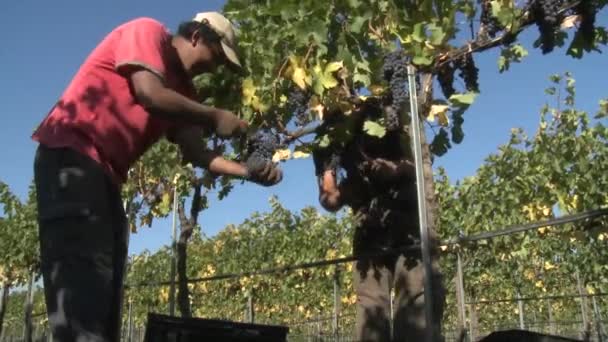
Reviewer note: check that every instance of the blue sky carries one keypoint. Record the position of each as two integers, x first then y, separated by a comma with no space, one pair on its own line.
45,42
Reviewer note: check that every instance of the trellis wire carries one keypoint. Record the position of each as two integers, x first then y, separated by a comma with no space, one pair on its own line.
388,251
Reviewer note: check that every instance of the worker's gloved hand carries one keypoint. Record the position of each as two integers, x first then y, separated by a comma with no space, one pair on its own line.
228,125
266,174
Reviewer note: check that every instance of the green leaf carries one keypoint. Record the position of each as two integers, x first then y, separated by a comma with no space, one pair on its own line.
437,34
358,23
514,53
418,35
362,78
374,129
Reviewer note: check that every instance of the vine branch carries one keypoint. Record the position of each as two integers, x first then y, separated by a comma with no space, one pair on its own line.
482,43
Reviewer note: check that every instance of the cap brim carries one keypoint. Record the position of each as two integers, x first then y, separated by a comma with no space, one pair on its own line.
232,56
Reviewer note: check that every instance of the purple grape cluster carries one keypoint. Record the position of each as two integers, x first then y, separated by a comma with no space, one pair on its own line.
445,76
261,147
546,14
490,23
469,72
298,104
395,73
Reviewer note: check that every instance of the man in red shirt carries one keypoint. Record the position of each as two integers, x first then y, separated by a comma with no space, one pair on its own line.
132,90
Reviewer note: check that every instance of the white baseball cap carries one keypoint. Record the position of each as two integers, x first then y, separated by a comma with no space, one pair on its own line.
225,30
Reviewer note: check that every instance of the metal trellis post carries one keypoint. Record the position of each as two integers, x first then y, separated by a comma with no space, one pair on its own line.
173,251
520,306
422,213
598,320
336,326
581,292
460,293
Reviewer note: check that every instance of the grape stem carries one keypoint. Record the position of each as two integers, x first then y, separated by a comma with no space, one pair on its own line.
480,45
276,80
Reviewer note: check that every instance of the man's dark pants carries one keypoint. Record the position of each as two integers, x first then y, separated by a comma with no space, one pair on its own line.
83,245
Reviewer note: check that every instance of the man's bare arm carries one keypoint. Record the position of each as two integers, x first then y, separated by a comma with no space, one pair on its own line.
195,151
189,140
151,93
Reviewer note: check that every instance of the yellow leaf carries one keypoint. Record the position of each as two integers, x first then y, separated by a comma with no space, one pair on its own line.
539,284
601,237
259,105
376,90
328,81
570,21
283,98
549,266
248,90
316,106
437,110
300,77
280,155
300,155
590,289
333,67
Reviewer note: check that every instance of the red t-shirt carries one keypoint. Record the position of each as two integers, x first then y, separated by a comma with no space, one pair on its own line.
98,116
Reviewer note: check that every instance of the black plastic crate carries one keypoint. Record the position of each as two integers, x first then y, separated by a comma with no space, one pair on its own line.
524,336
163,328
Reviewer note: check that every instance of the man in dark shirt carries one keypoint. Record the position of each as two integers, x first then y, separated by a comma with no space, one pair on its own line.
379,186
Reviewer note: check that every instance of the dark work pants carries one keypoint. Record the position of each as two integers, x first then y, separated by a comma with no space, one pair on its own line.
373,279
83,246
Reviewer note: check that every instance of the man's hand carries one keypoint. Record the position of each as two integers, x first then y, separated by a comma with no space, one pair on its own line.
229,125
268,175
388,170
382,169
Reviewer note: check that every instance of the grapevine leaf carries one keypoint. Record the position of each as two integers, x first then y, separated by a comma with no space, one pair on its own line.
514,53
419,35
333,67
280,155
437,34
248,91
324,140
362,78
438,110
358,23
374,129
463,99
364,65
300,155
300,77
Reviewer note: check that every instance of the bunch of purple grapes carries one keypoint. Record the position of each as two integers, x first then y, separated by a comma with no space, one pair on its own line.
445,76
469,72
261,147
546,15
395,72
298,104
490,22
